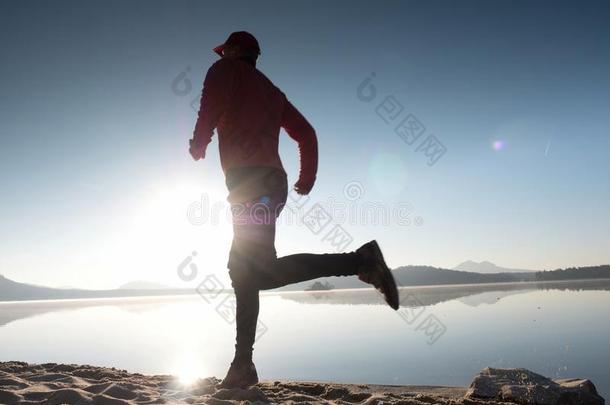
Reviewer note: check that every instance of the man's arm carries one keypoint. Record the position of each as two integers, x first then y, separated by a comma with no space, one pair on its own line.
217,89
301,131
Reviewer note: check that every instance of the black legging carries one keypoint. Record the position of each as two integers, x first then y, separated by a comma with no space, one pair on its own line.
257,197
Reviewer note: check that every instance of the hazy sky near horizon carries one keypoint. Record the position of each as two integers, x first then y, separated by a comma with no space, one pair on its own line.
96,115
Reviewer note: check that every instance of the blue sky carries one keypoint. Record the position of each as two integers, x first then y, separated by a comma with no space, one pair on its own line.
96,177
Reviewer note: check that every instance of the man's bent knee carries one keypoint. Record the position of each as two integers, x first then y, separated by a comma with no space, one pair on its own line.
242,277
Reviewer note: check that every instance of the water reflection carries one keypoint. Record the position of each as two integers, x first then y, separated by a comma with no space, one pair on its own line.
472,295
16,310
556,329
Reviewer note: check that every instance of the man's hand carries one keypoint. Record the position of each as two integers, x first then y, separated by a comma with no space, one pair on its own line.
197,152
303,187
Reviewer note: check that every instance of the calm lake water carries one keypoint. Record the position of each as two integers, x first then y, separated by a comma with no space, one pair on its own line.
440,336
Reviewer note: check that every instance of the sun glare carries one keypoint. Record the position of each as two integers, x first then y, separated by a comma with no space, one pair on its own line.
173,221
188,371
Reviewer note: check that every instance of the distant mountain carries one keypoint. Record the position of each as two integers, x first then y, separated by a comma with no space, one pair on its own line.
422,275
14,291
405,276
486,267
142,285
11,291
426,275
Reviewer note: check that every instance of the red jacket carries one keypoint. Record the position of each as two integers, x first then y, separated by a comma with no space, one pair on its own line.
248,110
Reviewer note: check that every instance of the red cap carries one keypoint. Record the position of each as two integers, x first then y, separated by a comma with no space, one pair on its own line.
241,38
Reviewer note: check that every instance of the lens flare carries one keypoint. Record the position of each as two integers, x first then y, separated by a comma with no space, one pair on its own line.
498,145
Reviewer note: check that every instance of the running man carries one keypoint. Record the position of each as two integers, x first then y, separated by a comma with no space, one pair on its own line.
248,110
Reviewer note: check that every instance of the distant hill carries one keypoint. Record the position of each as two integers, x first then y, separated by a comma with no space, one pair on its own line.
405,276
486,267
11,290
14,291
422,275
426,275
143,285
575,273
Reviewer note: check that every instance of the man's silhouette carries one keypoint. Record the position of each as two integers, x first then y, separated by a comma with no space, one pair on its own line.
248,110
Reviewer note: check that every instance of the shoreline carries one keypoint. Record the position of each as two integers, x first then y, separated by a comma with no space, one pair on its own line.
187,295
